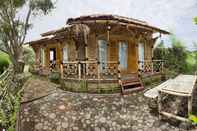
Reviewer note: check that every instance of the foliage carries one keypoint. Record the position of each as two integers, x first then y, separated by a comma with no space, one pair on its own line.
195,20
4,62
8,114
9,99
193,119
194,54
29,56
176,57
55,76
14,24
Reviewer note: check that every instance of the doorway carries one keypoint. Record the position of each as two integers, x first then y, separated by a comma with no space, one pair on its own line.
52,57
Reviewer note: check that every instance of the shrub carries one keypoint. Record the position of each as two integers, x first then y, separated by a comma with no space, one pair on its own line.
29,56
175,57
193,119
4,62
55,76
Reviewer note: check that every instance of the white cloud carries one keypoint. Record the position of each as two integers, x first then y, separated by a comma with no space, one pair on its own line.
174,15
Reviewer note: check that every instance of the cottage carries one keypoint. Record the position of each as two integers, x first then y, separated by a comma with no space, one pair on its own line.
104,48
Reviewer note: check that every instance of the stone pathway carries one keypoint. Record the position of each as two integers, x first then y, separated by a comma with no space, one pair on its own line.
64,111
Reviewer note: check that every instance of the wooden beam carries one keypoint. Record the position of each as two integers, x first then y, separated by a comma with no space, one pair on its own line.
169,115
131,24
189,105
62,71
159,103
175,93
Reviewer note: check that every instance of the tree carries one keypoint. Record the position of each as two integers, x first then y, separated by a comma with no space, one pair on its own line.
195,20
14,26
159,51
175,57
195,53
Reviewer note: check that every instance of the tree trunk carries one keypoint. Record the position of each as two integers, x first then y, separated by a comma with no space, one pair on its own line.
18,61
19,67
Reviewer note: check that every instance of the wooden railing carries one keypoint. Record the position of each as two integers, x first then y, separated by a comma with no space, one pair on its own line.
90,70
151,66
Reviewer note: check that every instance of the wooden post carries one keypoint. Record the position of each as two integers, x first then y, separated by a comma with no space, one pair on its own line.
162,66
62,71
189,105
79,70
152,67
159,103
119,73
98,70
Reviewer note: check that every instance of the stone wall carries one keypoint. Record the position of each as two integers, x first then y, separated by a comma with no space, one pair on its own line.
90,87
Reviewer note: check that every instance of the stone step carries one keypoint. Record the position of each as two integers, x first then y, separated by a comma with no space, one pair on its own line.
128,91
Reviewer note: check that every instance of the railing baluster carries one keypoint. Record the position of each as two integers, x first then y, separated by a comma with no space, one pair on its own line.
98,72
119,73
90,70
151,66
162,66
79,70
62,71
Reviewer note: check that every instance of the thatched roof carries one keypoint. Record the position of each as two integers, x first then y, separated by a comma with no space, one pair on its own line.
112,19
76,32
104,17
97,19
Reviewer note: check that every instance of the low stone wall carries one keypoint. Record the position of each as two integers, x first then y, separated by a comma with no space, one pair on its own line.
90,87
156,78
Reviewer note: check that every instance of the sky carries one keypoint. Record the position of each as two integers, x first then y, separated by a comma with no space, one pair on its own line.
175,16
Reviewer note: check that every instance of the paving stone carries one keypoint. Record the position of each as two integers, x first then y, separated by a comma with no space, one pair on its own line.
103,129
38,126
97,129
64,125
52,116
88,112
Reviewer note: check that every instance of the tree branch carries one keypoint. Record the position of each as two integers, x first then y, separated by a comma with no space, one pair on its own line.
4,51
26,26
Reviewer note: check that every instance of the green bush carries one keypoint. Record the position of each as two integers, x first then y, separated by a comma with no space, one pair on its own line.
29,56
177,58
193,119
4,61
55,77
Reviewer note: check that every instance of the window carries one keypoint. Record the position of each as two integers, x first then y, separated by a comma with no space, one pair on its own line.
123,54
141,55
65,54
103,53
